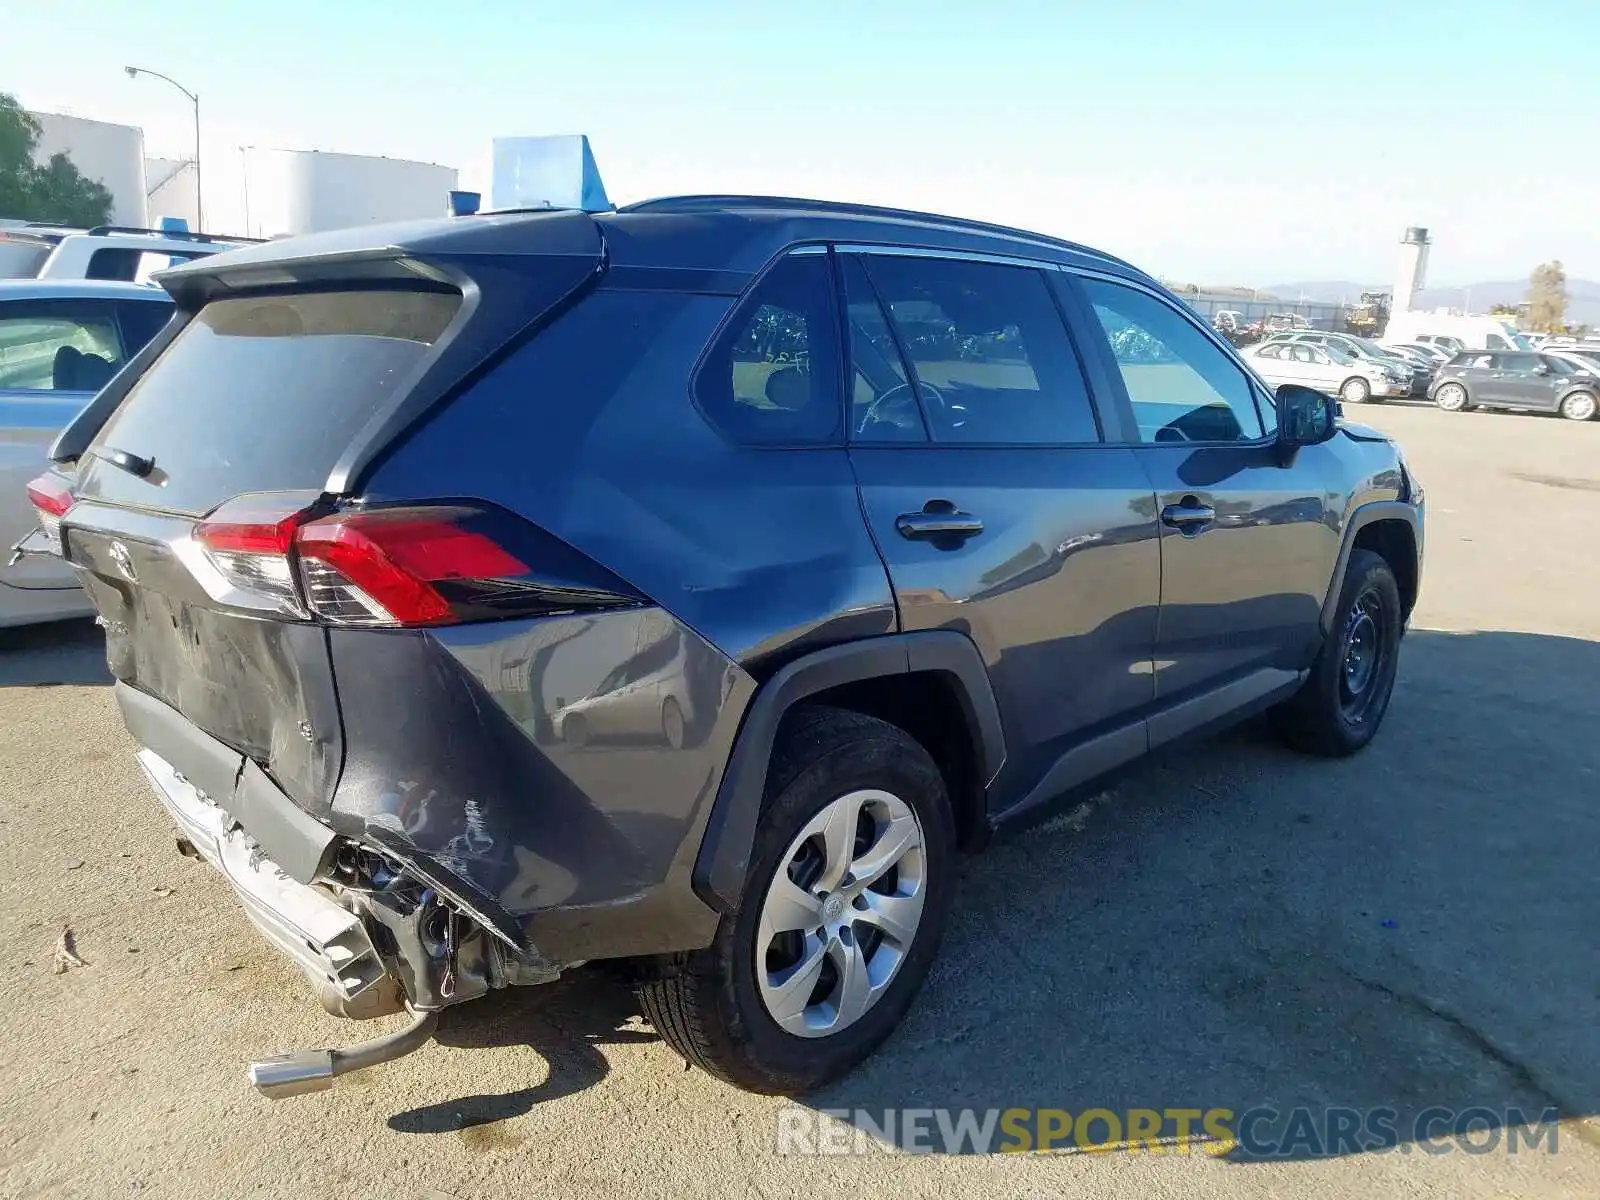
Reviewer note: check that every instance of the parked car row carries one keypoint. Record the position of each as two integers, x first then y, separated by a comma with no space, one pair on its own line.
608,615
1360,368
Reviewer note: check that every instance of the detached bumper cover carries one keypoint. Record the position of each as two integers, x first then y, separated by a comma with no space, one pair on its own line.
330,944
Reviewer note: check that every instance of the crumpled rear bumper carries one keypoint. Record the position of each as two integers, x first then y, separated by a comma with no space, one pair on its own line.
328,942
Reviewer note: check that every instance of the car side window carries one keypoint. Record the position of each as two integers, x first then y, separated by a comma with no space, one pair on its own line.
882,408
1304,354
57,346
989,351
1270,352
1181,386
772,375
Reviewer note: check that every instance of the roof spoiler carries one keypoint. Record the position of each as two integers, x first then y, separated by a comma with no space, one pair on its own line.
174,235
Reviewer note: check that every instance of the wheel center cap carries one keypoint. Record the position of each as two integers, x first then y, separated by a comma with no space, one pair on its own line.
833,908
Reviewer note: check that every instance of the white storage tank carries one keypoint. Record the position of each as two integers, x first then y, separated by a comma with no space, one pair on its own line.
171,190
112,155
307,191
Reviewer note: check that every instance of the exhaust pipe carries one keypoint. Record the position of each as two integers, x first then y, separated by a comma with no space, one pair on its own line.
314,1070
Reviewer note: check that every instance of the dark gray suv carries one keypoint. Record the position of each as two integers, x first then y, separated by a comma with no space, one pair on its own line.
1517,379
685,585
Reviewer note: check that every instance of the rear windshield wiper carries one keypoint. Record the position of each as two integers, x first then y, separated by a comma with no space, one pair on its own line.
124,460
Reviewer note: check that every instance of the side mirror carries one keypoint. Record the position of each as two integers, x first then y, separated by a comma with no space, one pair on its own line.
1306,417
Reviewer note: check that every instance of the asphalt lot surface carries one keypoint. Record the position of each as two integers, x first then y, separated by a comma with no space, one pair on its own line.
1233,926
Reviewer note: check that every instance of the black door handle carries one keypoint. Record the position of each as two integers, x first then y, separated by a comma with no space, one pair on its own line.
938,519
1189,517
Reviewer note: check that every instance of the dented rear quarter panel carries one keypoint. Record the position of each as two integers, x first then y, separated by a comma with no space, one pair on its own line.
588,845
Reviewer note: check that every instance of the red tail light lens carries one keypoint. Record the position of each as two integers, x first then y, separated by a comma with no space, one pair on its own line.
50,497
381,567
432,564
248,540
261,523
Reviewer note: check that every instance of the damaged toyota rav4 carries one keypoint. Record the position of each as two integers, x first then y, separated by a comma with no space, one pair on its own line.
686,585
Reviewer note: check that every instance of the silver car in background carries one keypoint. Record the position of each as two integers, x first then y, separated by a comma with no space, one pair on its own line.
60,342
1326,368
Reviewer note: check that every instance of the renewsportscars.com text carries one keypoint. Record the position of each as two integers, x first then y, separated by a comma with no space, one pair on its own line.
1257,1132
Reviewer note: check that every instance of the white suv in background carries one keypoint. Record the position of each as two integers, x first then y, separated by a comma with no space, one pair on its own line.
104,252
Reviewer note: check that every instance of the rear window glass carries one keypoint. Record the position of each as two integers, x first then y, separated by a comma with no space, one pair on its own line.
772,377
266,392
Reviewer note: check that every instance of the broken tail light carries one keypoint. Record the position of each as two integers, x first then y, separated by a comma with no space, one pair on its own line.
403,566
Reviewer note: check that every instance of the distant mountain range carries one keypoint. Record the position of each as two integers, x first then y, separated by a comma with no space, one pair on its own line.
1583,295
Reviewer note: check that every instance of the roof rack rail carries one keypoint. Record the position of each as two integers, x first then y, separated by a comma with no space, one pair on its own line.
694,203
176,235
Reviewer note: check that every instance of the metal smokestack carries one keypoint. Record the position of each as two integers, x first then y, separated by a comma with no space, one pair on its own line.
1411,272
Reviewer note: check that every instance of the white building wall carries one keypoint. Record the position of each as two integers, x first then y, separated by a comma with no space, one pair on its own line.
112,155
307,191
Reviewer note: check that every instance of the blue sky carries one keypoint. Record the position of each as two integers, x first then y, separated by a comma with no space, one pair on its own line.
1206,141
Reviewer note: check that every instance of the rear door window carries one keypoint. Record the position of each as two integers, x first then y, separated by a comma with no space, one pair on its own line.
991,355
772,376
57,345
265,392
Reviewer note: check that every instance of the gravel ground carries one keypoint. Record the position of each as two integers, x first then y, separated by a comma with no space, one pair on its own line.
1232,927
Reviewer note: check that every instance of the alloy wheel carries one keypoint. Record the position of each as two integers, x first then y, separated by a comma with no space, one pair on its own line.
1579,406
1452,397
841,913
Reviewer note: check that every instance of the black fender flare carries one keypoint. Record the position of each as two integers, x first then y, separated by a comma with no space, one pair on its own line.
1367,514
724,856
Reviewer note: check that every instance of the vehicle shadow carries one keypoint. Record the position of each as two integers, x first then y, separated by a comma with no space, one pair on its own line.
566,1022
60,652
1406,936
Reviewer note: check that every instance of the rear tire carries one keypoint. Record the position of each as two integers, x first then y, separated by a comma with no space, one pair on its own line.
725,1008
1355,390
1339,708
1579,406
1452,397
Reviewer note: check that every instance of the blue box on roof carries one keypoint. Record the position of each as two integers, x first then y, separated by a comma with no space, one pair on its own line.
546,172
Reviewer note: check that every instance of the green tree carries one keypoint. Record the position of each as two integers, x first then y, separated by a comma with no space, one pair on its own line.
57,191
1547,297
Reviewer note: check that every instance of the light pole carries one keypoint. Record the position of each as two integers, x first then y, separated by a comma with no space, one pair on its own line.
199,204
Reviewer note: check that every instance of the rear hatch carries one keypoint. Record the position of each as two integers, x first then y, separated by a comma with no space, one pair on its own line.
291,369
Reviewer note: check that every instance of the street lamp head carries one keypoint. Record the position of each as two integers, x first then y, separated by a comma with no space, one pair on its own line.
132,71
